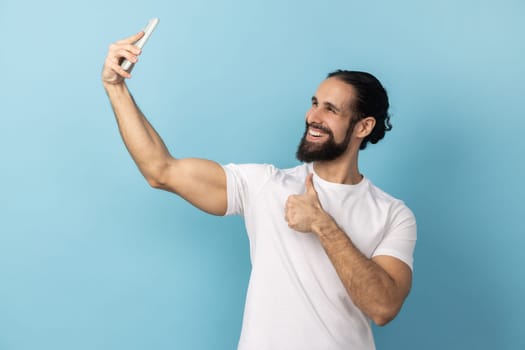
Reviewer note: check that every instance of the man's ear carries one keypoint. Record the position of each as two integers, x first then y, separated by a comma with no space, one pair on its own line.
364,127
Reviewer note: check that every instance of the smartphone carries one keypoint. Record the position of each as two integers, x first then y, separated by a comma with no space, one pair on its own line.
126,65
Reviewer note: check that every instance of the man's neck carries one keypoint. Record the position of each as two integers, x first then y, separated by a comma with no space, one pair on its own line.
343,170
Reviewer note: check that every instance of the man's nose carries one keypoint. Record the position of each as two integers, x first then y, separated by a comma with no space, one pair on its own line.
313,116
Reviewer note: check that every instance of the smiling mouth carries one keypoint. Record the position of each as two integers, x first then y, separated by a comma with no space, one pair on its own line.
314,133
318,131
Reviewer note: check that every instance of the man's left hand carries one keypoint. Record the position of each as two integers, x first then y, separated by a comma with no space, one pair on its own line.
303,211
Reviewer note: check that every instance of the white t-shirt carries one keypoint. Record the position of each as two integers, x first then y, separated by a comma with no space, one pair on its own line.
295,299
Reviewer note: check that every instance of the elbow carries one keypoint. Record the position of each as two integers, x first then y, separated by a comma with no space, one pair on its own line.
382,321
154,183
385,316
156,176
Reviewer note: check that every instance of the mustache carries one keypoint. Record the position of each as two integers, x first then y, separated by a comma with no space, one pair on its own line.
319,126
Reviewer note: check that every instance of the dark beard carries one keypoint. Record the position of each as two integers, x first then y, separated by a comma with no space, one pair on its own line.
309,152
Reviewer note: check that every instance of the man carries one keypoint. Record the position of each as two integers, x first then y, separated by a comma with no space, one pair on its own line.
329,250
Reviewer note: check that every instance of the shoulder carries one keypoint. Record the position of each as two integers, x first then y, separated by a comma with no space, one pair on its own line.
252,170
396,207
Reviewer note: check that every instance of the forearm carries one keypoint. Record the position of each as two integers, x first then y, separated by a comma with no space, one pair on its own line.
372,290
143,143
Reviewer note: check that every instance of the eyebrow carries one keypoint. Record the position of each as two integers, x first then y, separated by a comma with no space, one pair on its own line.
328,104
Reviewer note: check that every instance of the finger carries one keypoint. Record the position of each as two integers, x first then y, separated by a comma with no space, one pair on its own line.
119,49
119,70
114,62
131,39
118,59
127,47
309,184
287,205
287,209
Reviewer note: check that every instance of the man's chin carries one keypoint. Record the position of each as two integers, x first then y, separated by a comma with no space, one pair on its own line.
310,146
309,155
317,152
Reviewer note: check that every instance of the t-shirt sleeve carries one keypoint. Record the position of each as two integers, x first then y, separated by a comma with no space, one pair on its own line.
400,237
243,181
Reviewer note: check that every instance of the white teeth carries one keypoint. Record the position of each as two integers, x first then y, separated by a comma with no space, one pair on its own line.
316,134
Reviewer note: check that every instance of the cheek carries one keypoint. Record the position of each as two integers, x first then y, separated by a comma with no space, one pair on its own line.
339,131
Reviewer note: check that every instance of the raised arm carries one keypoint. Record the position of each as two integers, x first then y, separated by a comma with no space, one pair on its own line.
201,182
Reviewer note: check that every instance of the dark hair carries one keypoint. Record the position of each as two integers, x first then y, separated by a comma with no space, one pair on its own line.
371,100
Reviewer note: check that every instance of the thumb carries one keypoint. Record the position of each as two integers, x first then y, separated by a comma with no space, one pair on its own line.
309,184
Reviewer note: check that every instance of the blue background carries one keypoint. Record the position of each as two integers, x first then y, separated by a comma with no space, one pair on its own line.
92,258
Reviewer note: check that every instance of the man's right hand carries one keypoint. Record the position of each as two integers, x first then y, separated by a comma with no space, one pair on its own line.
112,72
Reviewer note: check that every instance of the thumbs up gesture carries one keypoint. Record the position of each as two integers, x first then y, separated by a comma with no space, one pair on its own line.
304,211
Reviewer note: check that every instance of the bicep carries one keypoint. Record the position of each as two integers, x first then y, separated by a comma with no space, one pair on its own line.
199,181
